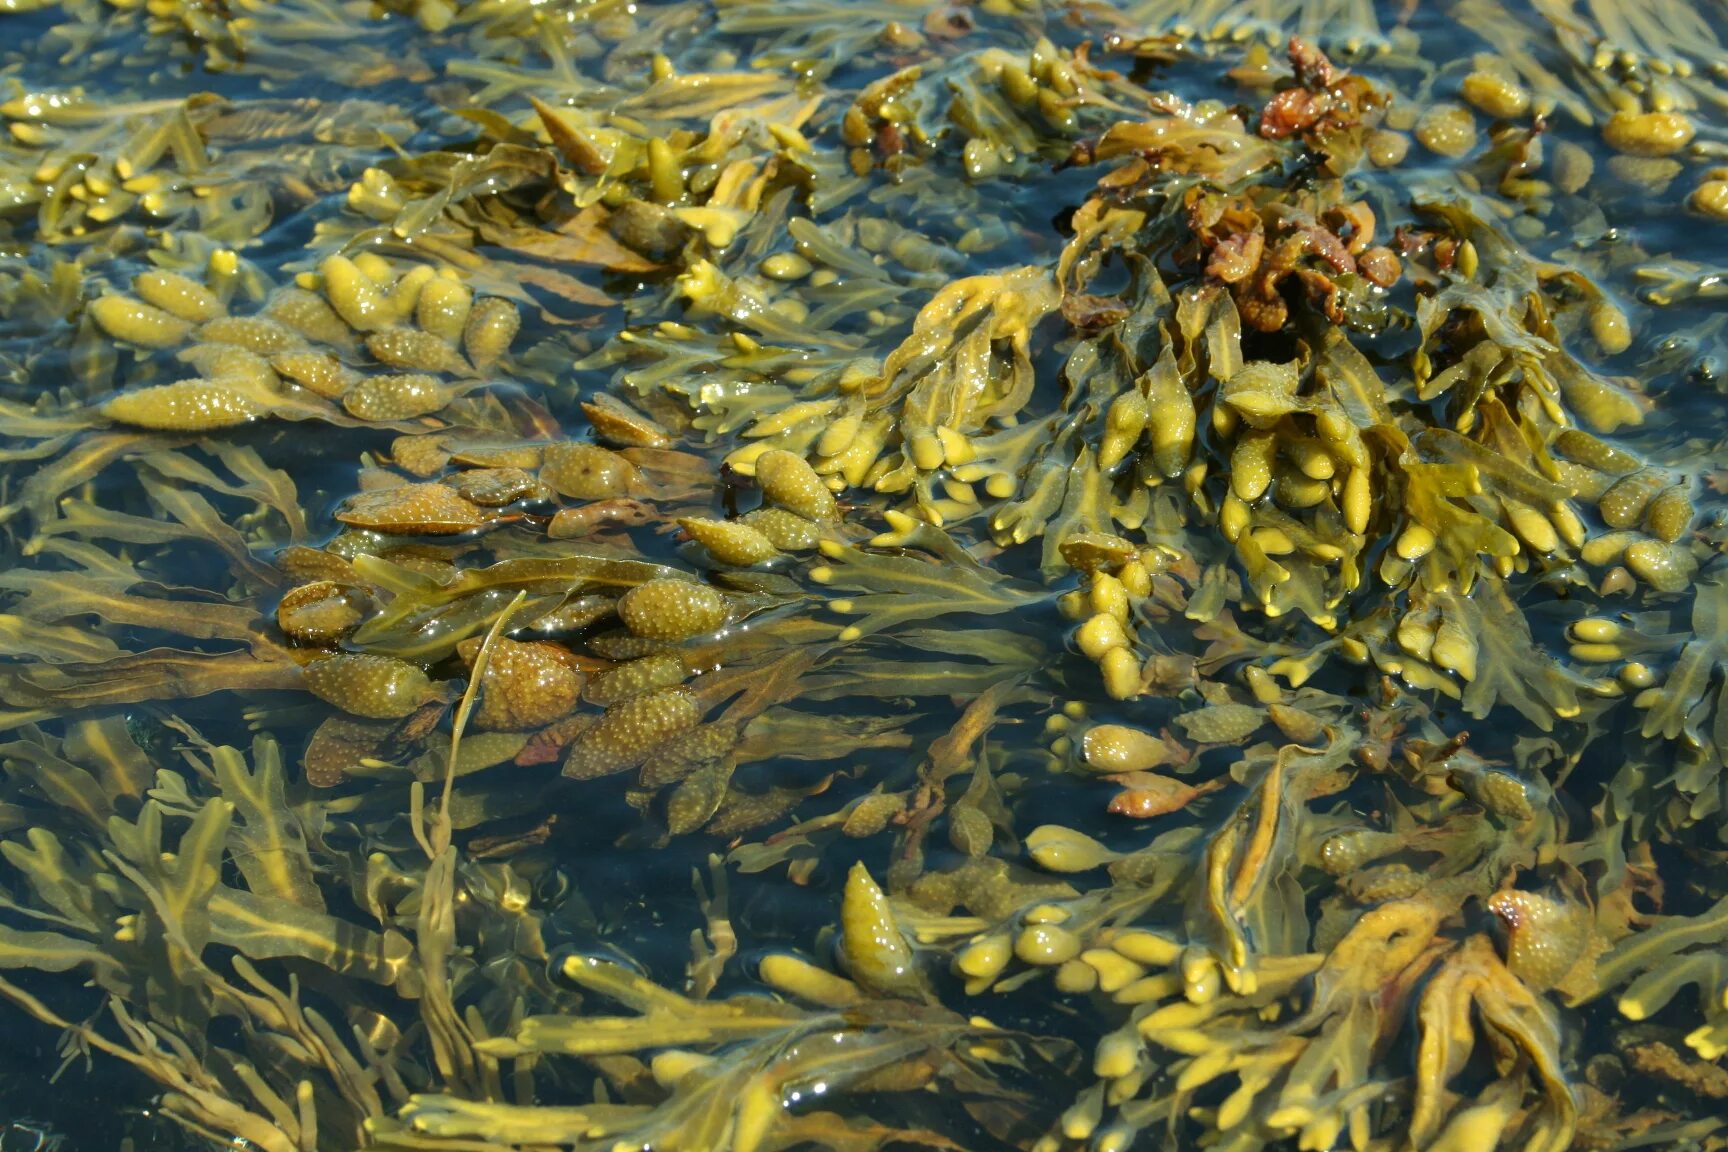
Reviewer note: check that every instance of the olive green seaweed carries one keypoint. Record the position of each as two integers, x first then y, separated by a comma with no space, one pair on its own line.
1159,567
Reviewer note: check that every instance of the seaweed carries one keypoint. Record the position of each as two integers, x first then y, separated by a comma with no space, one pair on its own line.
1070,530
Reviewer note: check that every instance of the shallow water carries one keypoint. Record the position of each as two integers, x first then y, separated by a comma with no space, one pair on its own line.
1144,584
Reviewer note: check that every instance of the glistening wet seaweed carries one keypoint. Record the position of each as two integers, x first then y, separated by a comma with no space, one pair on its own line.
754,576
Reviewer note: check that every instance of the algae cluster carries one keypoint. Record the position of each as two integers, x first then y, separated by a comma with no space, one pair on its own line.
792,575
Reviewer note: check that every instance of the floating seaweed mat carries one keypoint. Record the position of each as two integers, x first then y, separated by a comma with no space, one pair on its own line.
1172,558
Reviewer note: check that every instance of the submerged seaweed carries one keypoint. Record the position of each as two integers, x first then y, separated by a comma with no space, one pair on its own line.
1189,535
